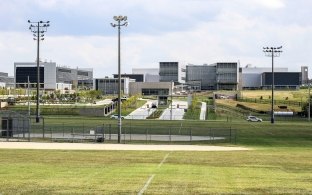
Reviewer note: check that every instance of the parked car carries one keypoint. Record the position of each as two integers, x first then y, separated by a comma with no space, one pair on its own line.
11,100
115,116
253,119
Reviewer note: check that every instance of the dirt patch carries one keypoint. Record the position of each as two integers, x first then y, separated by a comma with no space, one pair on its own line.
83,146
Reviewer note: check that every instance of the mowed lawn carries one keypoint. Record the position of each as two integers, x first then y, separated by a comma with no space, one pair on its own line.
262,171
280,162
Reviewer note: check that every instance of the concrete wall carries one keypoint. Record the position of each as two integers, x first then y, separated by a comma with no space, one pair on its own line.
136,88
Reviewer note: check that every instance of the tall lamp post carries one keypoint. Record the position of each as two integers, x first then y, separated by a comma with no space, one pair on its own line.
38,28
121,21
309,99
272,52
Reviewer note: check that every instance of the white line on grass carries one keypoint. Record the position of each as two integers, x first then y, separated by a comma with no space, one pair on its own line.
152,176
146,184
162,162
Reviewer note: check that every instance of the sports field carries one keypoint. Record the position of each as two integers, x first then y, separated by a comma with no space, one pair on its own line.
280,162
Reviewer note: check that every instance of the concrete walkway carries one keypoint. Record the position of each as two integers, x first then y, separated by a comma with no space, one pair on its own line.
177,111
144,111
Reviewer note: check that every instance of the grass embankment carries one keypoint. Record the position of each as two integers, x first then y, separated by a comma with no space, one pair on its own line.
294,95
256,106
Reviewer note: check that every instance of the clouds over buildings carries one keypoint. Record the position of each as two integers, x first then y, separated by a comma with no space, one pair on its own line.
189,31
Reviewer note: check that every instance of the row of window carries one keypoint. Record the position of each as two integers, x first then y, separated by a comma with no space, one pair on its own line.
155,91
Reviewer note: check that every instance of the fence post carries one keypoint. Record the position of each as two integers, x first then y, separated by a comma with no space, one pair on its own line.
190,134
150,137
7,129
51,134
24,128
230,134
130,132
125,131
83,129
43,127
109,131
170,135
63,129
29,127
146,135
72,132
103,133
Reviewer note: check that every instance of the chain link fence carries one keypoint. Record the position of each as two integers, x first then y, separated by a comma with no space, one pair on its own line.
18,127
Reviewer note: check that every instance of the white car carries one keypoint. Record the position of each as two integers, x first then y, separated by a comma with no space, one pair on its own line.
253,119
115,116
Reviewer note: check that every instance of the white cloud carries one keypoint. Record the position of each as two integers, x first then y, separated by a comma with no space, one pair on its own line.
206,32
272,4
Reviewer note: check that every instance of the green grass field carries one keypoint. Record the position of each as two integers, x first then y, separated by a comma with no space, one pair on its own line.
280,163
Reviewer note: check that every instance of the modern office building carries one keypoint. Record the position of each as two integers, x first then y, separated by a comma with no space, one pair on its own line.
150,74
218,76
50,75
227,75
252,76
149,88
171,72
27,71
85,84
110,85
6,81
162,90
72,75
282,80
201,74
136,77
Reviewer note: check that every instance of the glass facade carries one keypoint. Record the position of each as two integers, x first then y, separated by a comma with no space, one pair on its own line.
108,86
169,71
155,91
22,73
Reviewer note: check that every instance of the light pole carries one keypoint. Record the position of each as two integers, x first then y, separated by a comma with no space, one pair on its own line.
171,100
309,111
38,28
121,21
272,52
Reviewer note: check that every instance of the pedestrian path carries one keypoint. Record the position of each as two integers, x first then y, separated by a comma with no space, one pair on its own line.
176,112
144,111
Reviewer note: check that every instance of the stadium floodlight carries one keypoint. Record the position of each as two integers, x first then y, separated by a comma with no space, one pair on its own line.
272,52
119,19
38,28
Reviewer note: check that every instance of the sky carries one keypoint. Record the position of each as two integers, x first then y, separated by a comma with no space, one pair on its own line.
188,31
